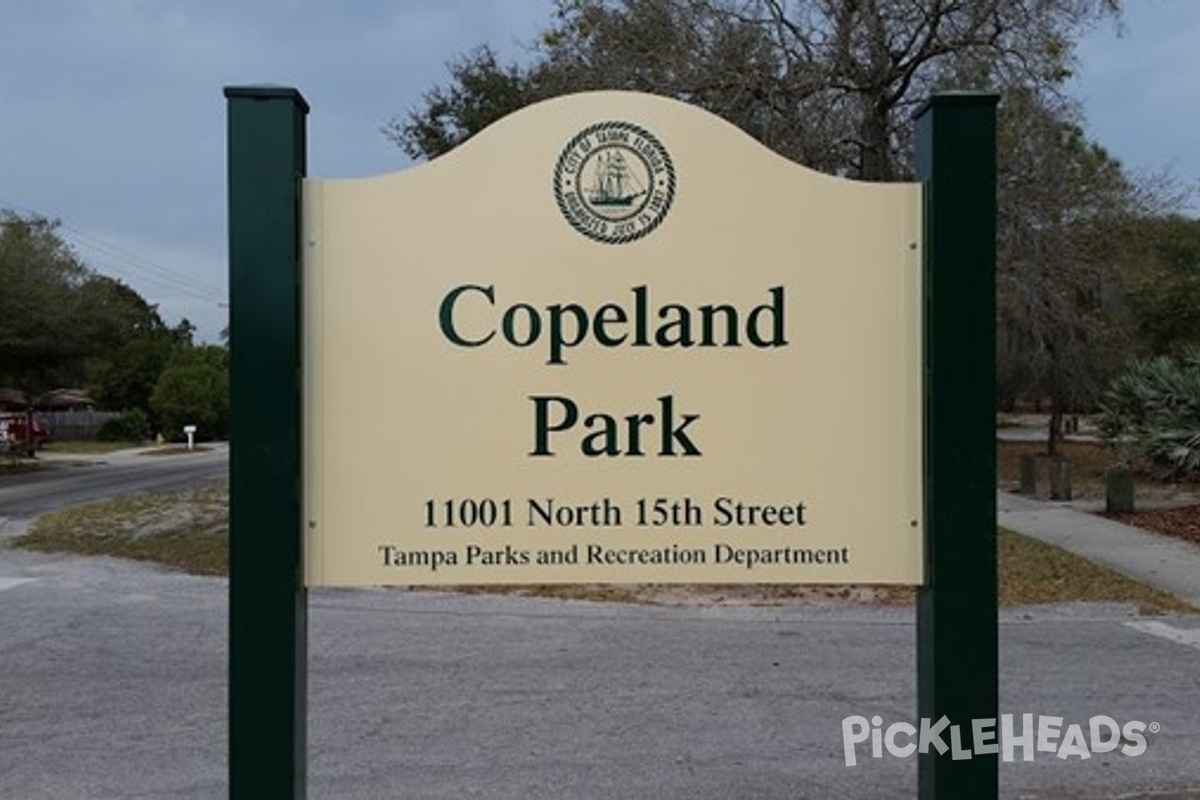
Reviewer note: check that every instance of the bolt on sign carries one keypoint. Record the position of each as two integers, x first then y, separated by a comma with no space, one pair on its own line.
612,339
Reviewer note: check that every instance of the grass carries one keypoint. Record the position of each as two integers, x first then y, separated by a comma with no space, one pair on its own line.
188,531
10,465
200,552
88,447
1033,572
175,449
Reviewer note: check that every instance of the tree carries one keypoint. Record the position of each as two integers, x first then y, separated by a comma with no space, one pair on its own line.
1066,209
184,333
115,314
130,344
40,337
42,344
194,390
125,378
828,83
832,84
481,92
63,325
1166,296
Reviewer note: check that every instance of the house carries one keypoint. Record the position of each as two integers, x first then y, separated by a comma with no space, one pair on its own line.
13,400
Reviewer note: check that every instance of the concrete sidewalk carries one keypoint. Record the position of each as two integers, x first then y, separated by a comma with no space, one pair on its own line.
1162,561
129,455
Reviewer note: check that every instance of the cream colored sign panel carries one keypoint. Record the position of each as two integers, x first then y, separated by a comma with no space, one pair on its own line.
612,339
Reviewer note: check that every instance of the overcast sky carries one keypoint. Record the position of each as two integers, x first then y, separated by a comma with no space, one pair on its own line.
112,117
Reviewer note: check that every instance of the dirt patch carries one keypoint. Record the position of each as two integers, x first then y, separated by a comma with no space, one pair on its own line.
710,595
1089,461
1181,523
185,530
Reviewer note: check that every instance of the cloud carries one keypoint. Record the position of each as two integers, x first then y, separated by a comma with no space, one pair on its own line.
113,119
112,115
1139,88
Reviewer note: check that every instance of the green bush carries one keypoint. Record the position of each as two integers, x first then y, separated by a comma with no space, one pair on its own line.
194,390
1154,408
132,426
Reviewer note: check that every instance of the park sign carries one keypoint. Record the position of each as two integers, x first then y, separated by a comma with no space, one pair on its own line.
611,339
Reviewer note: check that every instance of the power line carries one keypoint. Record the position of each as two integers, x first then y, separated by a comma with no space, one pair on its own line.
115,259
119,262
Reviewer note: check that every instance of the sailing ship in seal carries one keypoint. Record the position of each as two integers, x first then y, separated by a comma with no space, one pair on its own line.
614,185
614,182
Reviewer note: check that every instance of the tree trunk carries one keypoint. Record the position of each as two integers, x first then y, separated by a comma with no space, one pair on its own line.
30,440
876,145
1055,433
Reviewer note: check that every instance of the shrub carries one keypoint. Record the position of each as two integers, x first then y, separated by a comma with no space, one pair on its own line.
132,426
194,390
1154,407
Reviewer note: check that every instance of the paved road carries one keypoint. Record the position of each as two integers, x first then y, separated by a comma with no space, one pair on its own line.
71,480
112,685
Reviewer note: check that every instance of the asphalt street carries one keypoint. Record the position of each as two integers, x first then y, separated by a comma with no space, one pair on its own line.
112,685
79,479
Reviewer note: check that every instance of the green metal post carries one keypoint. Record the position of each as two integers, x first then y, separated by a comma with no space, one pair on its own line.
268,607
957,649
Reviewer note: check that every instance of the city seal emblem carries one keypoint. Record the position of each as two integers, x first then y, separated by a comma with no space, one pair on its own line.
614,182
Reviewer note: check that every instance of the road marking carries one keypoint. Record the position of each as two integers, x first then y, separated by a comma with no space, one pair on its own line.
1184,636
12,583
